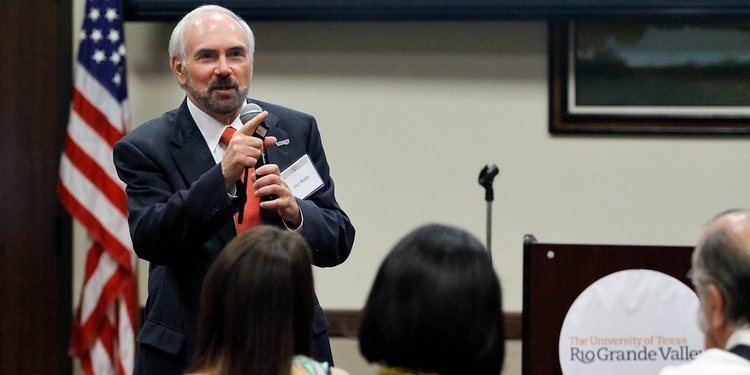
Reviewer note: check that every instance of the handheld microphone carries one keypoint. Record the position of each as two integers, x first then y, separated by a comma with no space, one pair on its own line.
248,112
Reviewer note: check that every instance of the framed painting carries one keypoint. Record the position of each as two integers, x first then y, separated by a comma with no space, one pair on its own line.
650,76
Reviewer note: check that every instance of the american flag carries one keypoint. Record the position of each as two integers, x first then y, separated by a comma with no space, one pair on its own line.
104,326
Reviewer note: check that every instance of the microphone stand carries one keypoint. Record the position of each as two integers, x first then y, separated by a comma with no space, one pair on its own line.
486,177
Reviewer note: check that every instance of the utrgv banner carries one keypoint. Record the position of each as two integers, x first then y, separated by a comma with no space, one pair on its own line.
630,322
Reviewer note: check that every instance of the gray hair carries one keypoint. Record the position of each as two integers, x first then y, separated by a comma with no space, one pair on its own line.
177,40
721,259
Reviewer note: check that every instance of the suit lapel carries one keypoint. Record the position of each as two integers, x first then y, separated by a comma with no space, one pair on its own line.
277,155
193,158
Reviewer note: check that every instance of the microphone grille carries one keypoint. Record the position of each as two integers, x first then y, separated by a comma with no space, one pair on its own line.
249,111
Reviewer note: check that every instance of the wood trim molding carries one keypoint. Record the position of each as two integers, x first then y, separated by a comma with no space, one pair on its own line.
345,323
512,325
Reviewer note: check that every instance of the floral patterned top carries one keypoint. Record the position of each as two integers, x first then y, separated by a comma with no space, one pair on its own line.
302,365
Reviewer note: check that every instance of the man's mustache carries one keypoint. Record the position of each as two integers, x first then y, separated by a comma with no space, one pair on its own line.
222,83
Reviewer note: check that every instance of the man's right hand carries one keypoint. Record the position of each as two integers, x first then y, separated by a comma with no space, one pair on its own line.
243,150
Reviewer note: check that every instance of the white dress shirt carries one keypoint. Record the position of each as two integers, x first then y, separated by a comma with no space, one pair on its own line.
717,361
211,130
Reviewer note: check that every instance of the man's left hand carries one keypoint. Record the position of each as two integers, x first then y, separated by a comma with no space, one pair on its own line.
270,182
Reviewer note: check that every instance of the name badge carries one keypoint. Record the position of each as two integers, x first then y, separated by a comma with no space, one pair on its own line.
302,177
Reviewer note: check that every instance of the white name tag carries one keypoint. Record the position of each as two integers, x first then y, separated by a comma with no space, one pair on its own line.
302,177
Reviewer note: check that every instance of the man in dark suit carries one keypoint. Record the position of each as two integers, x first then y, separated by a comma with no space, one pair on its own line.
184,185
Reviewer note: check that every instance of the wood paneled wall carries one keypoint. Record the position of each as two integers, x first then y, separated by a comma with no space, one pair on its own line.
35,251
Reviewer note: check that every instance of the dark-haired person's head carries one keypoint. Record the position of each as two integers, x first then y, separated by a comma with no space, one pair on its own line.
435,306
721,274
256,305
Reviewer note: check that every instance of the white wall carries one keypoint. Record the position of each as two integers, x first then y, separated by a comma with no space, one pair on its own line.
410,112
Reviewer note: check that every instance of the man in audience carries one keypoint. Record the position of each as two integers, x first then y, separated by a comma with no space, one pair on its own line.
721,275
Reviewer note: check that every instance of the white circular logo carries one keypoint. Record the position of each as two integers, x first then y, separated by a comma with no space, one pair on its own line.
630,322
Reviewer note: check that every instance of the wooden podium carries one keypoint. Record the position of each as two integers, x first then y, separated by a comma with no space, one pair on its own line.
555,274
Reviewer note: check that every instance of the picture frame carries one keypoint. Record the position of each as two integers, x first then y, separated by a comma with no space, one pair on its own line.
649,75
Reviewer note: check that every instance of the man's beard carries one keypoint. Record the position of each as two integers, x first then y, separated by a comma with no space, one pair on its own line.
215,105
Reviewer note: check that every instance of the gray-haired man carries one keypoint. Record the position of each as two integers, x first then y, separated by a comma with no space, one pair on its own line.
183,192
721,275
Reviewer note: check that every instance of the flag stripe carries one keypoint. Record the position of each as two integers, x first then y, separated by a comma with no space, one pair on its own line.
101,362
112,191
99,97
86,367
92,144
105,222
92,326
92,289
93,305
92,259
95,119
107,332
126,338
95,228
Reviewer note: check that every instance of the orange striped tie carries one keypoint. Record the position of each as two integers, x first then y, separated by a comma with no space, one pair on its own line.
251,212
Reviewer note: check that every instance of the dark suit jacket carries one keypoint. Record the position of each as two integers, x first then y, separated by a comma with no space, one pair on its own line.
181,217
